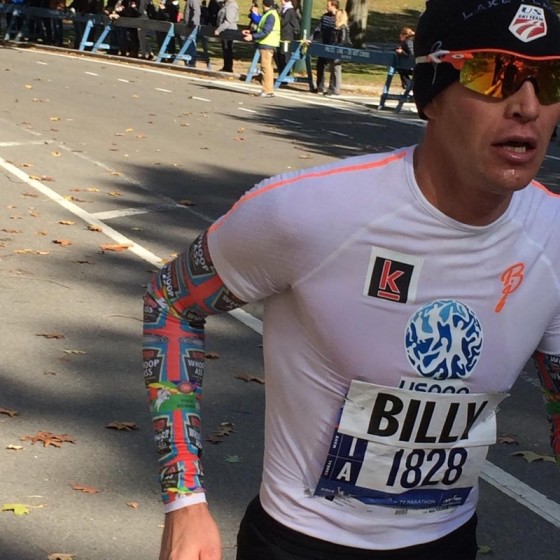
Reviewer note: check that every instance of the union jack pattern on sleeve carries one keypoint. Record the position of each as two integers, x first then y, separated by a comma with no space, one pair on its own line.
548,367
177,300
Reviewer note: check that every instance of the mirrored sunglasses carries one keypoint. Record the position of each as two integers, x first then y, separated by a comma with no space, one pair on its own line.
499,74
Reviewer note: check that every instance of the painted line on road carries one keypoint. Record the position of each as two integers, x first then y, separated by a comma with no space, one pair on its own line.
503,481
163,90
42,63
18,144
137,184
339,134
91,73
124,213
521,492
82,214
201,99
247,110
123,80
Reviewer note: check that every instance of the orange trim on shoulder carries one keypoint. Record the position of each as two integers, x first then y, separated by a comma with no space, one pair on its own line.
542,187
310,175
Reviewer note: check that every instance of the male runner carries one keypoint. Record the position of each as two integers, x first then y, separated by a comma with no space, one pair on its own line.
399,293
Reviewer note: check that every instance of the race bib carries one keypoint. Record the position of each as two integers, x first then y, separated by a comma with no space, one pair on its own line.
409,450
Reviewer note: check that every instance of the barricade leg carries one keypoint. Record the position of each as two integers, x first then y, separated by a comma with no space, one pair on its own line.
284,76
254,65
386,87
185,52
168,41
84,42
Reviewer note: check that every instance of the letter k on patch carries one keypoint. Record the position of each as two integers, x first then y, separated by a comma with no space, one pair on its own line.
392,276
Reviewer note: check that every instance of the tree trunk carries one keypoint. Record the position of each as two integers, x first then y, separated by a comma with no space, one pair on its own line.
357,16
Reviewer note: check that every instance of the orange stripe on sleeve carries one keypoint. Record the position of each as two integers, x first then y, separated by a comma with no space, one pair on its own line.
310,175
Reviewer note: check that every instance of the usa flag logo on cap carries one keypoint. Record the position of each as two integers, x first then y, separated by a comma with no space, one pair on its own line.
529,23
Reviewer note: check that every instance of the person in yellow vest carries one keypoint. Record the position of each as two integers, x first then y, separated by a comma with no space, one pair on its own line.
267,39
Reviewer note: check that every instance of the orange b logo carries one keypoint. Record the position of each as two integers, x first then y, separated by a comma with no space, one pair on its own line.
511,278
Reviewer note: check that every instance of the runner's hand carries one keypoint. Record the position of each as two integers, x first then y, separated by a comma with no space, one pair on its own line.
190,533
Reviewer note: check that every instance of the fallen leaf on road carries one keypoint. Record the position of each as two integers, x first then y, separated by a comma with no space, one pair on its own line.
507,439
225,429
11,230
248,378
60,556
133,505
115,193
18,509
56,154
13,447
485,549
114,247
9,412
126,426
50,335
84,261
48,438
95,228
85,489
73,198
62,242
66,222
212,355
55,118
531,456
69,351
44,178
233,458
30,251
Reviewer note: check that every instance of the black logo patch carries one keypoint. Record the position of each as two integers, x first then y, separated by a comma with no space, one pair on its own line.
390,279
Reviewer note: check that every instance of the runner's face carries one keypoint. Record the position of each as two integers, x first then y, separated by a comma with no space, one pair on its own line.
494,146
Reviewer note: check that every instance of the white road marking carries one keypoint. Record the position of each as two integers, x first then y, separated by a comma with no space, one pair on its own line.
82,214
291,122
247,110
91,73
201,99
339,133
42,63
163,90
124,213
123,80
521,492
17,144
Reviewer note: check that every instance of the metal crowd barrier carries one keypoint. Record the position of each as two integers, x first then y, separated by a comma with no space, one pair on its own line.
304,51
97,29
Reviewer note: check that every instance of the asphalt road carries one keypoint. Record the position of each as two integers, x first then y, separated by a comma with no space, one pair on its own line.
151,157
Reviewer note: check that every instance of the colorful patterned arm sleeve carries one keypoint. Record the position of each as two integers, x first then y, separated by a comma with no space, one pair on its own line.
176,302
548,367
